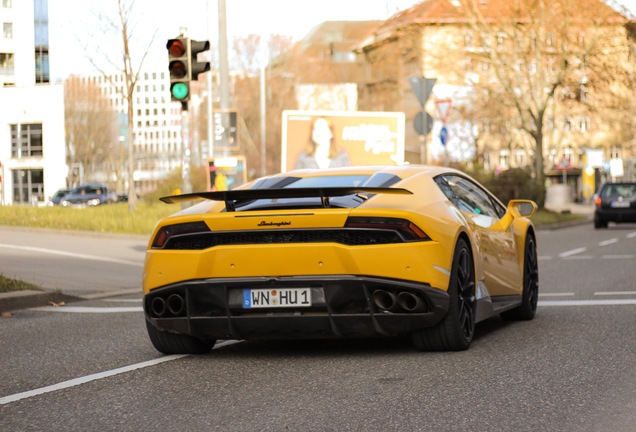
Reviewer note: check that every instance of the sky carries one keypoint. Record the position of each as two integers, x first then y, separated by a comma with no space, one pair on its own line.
81,41
83,33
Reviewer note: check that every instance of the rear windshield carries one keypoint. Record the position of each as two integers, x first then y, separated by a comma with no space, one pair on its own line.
615,191
376,180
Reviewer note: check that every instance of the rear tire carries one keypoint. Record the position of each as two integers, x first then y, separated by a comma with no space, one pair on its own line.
599,222
530,295
457,329
171,343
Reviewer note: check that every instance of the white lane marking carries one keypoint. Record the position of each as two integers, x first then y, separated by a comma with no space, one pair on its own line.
71,254
611,293
631,235
579,257
587,302
608,242
85,309
572,252
113,300
567,294
617,256
101,375
87,378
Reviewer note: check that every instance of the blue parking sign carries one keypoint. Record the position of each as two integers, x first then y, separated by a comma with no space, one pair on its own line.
443,135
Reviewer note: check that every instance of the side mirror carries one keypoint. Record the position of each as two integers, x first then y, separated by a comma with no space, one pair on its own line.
522,208
516,209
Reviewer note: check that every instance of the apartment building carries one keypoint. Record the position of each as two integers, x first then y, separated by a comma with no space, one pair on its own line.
471,52
32,147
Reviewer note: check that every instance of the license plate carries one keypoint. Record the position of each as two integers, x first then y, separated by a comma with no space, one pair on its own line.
620,204
276,298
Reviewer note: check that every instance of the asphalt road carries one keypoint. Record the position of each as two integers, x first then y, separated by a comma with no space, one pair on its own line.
89,365
76,263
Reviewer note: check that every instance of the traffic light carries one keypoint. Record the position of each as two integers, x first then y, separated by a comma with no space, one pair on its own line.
184,65
179,66
197,67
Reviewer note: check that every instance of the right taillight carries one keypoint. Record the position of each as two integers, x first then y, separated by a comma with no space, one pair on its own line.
406,228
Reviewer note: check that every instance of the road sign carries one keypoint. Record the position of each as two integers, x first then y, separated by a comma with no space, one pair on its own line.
443,107
422,87
423,123
443,135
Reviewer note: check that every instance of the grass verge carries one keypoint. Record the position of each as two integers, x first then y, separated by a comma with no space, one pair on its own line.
113,218
8,284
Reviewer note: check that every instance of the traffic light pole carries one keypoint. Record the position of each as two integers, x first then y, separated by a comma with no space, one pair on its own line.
186,185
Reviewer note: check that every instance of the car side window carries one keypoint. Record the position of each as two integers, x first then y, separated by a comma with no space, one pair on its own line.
467,195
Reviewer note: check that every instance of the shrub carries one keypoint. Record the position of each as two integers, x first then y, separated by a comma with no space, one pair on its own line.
515,183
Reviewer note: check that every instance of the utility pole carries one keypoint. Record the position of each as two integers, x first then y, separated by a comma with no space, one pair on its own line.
263,106
224,70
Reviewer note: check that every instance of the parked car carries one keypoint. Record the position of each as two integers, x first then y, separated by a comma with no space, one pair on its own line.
57,196
343,252
89,194
615,202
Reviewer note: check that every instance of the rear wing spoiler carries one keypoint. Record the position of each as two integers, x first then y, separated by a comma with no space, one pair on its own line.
232,196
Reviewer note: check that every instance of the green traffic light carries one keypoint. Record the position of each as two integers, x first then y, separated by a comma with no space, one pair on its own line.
180,91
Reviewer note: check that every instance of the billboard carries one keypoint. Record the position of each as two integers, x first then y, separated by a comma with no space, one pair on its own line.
328,139
225,130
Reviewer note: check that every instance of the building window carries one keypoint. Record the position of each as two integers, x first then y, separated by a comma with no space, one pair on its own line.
469,41
28,185
344,57
501,40
7,4
549,40
7,64
504,158
7,30
549,123
26,140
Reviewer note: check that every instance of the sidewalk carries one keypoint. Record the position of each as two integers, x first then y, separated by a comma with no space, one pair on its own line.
578,208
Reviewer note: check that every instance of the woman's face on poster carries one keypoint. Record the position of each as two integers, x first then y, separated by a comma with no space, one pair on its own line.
321,133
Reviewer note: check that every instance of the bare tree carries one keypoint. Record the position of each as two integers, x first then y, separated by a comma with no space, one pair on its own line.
124,27
91,134
539,60
279,94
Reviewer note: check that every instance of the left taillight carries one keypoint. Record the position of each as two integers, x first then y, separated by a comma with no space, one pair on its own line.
406,228
165,233
598,202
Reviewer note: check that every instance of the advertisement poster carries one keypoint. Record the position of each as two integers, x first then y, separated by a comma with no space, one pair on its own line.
226,173
329,139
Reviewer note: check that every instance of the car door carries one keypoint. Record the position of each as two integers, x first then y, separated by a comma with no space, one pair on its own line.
497,249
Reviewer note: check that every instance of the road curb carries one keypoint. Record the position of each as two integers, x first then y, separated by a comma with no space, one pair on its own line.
552,227
14,300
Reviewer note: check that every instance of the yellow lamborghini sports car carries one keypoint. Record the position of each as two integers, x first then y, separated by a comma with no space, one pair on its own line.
345,252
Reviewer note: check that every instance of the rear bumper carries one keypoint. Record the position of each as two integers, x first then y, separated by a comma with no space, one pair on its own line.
616,215
342,306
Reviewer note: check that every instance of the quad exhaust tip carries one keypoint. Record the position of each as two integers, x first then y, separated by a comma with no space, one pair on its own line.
404,301
173,306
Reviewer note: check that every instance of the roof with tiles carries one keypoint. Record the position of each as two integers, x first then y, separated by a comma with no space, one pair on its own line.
440,12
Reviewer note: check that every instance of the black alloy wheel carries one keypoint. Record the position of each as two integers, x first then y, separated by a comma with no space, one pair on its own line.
456,331
530,296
